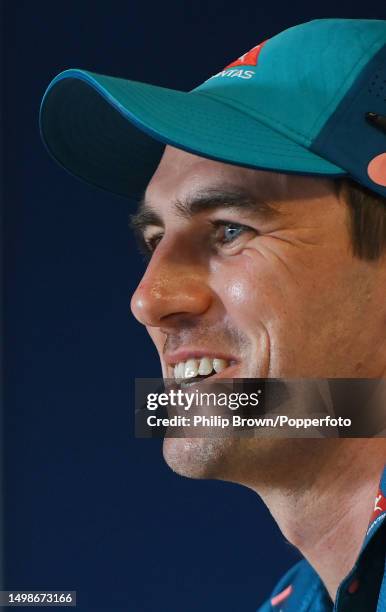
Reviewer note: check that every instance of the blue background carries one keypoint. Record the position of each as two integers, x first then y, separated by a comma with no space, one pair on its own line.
86,506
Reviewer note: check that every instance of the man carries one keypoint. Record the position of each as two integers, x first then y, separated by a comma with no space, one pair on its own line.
265,223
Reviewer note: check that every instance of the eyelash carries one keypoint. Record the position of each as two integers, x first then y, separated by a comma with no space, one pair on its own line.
149,246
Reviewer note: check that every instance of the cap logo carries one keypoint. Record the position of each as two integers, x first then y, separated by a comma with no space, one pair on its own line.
249,58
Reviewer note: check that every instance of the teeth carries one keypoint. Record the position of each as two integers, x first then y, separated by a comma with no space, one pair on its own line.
191,368
203,367
219,365
206,366
178,370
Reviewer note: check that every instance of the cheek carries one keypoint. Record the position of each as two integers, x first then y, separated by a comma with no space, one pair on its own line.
262,291
250,291
277,284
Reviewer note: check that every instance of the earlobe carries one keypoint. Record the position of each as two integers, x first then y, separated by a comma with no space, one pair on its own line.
376,169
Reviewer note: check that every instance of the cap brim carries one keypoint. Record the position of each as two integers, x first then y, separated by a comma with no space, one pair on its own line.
111,132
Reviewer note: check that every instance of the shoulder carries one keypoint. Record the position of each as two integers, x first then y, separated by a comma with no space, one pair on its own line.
300,574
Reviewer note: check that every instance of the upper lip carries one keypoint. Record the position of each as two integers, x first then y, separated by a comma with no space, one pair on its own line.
191,353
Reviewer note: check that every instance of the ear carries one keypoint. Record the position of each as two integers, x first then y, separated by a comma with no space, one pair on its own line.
377,169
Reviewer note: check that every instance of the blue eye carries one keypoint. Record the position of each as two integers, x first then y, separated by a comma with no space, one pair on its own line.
227,231
231,234
232,231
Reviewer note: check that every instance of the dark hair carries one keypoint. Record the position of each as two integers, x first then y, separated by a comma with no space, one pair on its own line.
367,212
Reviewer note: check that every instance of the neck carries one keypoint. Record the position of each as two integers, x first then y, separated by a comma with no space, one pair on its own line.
324,510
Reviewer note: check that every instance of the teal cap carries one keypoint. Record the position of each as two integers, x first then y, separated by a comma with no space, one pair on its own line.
310,100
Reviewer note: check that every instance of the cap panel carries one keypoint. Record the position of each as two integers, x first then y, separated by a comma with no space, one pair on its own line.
347,138
302,74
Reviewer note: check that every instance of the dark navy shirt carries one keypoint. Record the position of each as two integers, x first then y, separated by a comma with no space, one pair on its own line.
363,589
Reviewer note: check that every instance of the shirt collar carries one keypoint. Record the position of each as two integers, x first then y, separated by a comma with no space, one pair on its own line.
378,512
306,590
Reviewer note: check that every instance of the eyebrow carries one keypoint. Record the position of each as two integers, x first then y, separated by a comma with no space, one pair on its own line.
204,201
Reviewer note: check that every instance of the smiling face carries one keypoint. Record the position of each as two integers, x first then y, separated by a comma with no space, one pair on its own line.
254,270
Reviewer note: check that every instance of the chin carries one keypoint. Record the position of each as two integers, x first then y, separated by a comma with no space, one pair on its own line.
200,457
251,462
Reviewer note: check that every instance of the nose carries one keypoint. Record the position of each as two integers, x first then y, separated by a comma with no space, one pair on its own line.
170,287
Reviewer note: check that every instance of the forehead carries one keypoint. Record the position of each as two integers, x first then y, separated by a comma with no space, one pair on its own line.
180,175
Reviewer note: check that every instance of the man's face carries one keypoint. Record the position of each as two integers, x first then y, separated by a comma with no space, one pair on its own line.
255,269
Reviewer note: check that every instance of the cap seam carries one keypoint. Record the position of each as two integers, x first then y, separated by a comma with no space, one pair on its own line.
306,141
